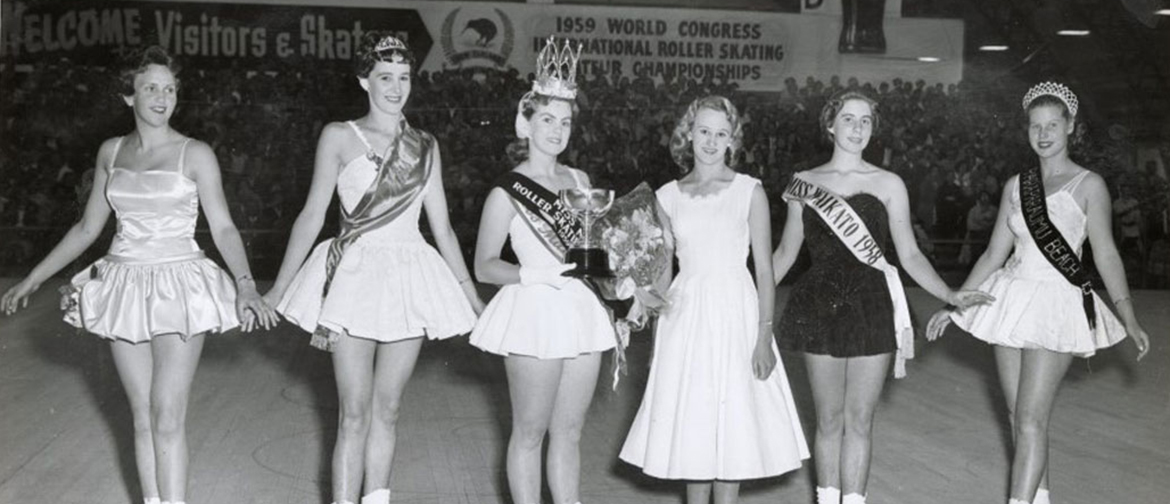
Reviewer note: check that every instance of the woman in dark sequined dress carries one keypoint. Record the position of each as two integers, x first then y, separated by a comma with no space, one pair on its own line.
847,312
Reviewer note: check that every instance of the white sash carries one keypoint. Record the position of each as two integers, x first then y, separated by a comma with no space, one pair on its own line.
851,230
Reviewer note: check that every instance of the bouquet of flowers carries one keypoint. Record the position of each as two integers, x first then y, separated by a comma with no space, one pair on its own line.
640,248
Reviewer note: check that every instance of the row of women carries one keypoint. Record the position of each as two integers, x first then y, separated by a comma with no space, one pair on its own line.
717,408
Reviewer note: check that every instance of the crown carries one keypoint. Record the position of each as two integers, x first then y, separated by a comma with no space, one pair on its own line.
388,43
556,70
1064,94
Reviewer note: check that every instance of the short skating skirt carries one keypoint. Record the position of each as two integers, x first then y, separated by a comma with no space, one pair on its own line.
1039,313
382,292
544,322
136,300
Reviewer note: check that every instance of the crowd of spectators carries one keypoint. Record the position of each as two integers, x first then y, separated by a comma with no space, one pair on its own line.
954,145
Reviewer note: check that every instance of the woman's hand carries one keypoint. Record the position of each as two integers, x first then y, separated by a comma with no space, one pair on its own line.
763,359
16,297
251,308
1140,338
967,298
938,324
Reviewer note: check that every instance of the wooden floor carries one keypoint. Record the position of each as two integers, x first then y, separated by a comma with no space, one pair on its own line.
263,412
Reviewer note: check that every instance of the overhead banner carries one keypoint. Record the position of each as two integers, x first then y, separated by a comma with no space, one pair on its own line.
756,50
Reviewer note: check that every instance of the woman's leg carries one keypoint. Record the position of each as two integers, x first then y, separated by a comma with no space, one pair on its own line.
353,368
864,379
826,376
135,367
392,368
573,396
726,492
699,492
1041,372
1007,363
532,386
175,362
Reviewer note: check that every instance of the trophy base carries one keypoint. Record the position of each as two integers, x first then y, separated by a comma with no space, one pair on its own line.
593,262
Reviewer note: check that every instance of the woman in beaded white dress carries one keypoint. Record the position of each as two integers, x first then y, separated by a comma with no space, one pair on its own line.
155,294
1040,319
374,292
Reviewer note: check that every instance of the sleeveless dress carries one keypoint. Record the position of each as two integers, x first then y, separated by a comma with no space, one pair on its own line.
155,280
1035,307
390,284
541,320
704,414
840,307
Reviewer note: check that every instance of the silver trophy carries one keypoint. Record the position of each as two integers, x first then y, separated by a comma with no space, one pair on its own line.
588,205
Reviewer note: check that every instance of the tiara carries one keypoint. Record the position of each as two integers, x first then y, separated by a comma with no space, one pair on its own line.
390,43
556,70
1064,94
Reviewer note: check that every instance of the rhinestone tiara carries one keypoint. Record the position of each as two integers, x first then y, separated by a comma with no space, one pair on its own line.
556,70
389,43
1061,92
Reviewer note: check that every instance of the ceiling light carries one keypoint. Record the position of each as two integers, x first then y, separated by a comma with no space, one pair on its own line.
929,59
1162,12
993,48
1073,33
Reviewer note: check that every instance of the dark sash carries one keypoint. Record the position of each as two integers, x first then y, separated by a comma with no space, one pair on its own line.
1051,243
400,181
848,227
541,209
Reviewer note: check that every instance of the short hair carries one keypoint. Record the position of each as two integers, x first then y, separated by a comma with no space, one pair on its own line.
1048,100
368,54
681,149
136,62
834,105
517,151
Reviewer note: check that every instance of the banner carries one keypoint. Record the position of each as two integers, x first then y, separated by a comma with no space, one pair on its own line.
756,50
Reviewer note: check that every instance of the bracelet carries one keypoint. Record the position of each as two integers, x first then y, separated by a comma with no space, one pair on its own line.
245,278
465,280
766,322
1119,300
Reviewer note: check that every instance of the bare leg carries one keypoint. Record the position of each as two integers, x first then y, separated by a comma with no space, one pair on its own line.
575,393
726,492
175,362
392,368
532,385
826,376
1007,362
134,364
1041,372
353,367
864,379
699,492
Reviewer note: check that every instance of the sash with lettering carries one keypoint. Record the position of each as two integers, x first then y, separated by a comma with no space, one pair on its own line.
1051,243
847,225
401,178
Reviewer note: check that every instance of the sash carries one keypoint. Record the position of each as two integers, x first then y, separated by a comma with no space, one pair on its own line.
1051,243
400,181
847,225
541,209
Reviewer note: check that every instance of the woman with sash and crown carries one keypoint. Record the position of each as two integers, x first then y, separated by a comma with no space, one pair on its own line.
1045,311
717,407
155,294
848,313
373,293
551,329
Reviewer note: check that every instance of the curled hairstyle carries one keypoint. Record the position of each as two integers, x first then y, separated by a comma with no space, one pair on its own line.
837,102
137,62
368,54
517,151
1048,100
681,148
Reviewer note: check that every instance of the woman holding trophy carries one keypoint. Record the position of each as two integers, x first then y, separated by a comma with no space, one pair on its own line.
717,407
848,313
550,328
373,293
